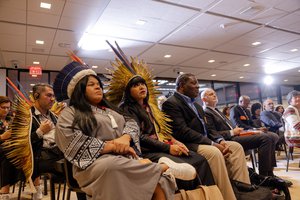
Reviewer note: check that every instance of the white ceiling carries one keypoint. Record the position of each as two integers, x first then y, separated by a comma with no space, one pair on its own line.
192,31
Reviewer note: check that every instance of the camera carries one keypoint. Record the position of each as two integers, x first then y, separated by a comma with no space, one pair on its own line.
15,65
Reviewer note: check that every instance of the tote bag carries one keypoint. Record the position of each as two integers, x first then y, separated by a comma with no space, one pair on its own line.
211,192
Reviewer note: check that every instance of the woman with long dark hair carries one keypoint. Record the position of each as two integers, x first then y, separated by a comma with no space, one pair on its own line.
156,140
98,141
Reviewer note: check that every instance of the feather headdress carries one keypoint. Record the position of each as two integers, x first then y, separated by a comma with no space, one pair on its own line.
18,147
122,73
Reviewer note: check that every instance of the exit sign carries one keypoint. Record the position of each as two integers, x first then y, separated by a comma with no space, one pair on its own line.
35,70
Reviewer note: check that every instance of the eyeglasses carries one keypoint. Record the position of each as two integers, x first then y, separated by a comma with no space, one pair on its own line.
5,108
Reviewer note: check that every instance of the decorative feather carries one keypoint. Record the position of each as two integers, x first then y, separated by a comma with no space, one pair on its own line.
121,75
121,57
57,107
17,91
75,58
18,147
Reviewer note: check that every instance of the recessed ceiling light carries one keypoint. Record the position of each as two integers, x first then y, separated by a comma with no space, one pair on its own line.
268,80
246,65
36,62
213,75
141,22
256,43
39,42
241,77
45,5
286,80
211,61
33,75
32,84
94,66
294,50
168,56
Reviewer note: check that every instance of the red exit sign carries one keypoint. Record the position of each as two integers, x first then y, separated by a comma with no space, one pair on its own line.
35,70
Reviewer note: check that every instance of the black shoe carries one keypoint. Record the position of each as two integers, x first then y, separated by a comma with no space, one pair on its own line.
287,182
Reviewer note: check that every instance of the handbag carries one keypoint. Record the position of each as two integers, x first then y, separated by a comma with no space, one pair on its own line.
203,192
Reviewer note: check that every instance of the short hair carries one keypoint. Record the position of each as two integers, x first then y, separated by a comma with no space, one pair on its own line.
244,97
182,79
4,99
39,88
203,93
292,94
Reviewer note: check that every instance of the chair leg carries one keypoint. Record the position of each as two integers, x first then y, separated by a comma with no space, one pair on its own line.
288,160
254,156
252,161
45,185
52,189
58,193
68,194
20,188
64,191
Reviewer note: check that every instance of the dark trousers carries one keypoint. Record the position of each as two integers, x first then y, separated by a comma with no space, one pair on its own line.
265,143
9,174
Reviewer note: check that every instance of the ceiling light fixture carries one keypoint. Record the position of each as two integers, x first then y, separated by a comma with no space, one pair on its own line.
32,84
246,65
168,56
294,50
94,66
211,61
39,42
141,22
213,75
241,77
256,43
286,80
45,5
268,80
36,62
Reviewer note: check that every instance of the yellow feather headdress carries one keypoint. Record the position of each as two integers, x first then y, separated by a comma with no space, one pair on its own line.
122,73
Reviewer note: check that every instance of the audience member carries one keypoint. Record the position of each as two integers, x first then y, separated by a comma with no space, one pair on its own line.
291,118
188,124
219,126
255,114
226,111
45,150
240,116
279,108
273,120
156,139
8,173
96,139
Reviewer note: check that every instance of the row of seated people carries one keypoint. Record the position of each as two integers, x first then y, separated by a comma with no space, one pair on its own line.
92,134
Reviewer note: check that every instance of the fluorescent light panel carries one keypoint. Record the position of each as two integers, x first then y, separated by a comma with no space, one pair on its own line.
36,62
45,5
39,42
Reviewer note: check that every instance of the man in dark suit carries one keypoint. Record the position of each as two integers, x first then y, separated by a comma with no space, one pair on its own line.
188,124
271,118
219,126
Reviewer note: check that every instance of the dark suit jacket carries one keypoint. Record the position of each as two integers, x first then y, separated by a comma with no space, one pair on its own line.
271,120
186,126
238,118
217,126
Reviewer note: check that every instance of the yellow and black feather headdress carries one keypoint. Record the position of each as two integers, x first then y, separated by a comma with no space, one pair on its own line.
122,73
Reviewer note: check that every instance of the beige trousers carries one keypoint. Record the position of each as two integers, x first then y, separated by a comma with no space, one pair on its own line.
234,167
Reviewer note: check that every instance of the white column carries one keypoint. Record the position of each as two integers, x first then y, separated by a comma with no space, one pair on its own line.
3,82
